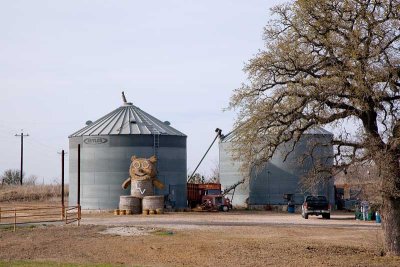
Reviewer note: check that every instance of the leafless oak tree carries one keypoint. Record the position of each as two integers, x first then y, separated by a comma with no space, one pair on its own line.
332,63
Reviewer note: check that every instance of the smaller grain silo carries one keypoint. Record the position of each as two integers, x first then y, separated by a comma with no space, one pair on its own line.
107,146
279,177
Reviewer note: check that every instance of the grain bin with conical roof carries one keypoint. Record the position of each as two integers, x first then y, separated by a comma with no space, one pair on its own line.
107,145
281,176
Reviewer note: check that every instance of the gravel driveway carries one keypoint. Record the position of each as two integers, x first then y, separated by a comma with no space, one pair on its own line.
199,220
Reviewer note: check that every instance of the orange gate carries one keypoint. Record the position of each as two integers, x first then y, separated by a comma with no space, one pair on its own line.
30,215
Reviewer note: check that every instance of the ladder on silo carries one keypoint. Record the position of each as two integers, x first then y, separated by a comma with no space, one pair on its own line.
156,137
156,143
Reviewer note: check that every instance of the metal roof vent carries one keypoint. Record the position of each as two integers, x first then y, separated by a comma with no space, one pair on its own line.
126,103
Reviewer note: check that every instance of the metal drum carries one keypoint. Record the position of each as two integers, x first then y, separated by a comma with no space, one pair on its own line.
142,188
153,203
130,203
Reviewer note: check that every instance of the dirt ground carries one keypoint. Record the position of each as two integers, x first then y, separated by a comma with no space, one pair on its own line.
201,239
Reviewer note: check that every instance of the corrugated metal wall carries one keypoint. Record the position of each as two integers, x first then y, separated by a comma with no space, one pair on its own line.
105,165
230,174
279,177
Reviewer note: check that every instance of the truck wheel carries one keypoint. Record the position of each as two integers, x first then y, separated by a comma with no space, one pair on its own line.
326,216
225,208
305,216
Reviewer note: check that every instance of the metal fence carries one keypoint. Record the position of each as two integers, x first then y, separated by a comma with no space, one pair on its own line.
31,215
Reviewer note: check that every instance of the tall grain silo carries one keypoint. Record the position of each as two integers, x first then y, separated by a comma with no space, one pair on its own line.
107,145
268,185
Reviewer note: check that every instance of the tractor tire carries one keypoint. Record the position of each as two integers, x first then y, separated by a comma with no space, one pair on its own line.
225,208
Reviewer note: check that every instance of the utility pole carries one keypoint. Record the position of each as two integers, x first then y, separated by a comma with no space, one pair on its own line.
22,135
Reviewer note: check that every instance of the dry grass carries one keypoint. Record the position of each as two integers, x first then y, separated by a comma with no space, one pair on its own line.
13,193
251,246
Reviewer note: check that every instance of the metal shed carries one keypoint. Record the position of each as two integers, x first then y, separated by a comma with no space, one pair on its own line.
107,145
278,177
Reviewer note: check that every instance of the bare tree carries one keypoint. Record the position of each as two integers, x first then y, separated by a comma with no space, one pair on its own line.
332,63
360,180
197,179
32,179
11,177
214,176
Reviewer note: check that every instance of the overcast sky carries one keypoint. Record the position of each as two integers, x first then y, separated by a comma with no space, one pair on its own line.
65,62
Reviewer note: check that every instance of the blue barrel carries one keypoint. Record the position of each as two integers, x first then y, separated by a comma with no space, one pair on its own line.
290,208
377,217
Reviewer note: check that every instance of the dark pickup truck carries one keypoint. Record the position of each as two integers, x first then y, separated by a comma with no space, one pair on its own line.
316,205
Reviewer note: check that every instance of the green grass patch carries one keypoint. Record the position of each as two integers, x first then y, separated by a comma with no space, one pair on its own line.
19,227
6,228
164,233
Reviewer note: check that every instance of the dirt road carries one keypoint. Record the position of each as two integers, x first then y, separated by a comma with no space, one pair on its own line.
201,220
201,239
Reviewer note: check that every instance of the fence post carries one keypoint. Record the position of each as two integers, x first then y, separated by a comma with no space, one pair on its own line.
62,183
79,184
0,214
15,219
79,215
79,176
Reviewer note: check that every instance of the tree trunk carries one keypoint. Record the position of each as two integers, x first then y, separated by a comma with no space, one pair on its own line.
391,225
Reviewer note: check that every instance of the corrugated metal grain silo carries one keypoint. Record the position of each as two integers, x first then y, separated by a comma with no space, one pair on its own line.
107,145
268,185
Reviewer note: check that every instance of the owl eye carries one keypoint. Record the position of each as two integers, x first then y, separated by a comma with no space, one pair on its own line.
145,164
136,165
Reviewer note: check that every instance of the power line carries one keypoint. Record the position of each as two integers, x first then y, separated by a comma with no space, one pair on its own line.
22,135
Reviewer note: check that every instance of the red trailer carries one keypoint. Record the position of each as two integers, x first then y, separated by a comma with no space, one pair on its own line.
208,196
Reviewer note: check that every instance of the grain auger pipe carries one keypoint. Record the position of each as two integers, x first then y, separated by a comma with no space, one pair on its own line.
219,134
232,187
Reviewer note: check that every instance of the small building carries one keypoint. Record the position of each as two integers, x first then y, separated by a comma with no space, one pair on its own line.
107,145
279,178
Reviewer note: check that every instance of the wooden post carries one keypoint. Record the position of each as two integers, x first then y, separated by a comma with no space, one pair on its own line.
79,175
15,219
22,154
0,214
62,184
79,215
79,184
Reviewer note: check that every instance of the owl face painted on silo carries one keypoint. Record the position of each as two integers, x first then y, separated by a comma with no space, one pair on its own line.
143,169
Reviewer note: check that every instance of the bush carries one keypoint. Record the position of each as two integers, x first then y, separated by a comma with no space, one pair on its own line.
11,177
30,192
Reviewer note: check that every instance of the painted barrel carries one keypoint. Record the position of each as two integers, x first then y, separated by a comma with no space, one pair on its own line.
142,188
153,203
130,203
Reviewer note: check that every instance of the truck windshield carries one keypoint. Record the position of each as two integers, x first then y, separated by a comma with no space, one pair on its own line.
316,198
213,192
